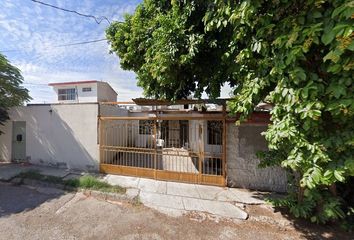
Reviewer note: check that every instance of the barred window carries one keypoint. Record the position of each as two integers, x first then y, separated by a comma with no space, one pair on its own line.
67,94
86,89
214,134
145,127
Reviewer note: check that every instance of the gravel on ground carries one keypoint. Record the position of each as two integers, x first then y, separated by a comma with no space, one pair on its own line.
26,213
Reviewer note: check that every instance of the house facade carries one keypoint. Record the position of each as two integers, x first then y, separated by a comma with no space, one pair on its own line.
193,141
84,91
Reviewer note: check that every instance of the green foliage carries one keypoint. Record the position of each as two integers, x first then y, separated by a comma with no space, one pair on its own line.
84,182
11,93
165,44
90,182
296,55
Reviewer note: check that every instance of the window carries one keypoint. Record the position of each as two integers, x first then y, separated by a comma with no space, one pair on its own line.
67,94
146,126
214,135
86,89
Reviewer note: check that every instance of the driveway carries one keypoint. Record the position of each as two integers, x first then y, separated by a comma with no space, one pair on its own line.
28,214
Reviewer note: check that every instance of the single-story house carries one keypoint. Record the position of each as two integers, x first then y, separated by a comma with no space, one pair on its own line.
193,141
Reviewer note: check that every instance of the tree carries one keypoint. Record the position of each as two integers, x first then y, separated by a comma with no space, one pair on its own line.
164,42
296,55
11,93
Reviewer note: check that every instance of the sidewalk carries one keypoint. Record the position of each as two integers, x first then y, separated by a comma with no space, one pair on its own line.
10,170
171,198
177,199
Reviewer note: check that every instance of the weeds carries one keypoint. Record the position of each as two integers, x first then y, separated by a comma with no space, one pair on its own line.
83,182
91,182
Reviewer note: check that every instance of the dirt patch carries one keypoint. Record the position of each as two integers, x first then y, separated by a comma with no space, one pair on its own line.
280,218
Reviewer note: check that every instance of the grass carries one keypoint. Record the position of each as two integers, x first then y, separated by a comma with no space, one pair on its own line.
90,182
83,182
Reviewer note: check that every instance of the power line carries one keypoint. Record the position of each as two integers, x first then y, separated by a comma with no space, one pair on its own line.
98,20
64,45
80,43
35,84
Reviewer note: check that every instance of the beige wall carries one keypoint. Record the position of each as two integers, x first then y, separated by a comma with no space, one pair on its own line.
59,134
105,93
5,142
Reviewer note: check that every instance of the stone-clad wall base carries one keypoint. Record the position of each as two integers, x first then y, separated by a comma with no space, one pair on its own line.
243,142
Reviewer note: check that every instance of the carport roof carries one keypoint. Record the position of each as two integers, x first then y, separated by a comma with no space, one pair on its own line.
161,102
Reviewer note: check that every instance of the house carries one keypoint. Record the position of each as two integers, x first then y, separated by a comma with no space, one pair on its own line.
84,91
189,140
62,134
194,141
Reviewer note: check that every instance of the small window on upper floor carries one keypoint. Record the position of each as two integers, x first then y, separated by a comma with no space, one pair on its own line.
86,89
66,94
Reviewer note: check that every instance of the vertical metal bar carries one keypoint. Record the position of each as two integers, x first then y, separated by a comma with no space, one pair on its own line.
201,151
224,142
100,122
155,152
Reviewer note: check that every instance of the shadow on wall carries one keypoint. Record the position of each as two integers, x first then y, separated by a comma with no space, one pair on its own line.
51,141
5,142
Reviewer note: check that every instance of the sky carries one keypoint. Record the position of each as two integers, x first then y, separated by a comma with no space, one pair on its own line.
31,35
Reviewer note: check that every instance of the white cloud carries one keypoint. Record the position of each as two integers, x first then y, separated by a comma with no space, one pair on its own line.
35,30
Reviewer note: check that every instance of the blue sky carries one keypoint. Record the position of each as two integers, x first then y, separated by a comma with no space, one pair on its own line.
29,31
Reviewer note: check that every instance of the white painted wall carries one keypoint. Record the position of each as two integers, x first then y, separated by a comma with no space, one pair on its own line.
81,96
57,134
100,92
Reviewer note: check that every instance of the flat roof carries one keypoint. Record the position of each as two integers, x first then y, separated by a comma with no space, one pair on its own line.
161,102
81,82
71,83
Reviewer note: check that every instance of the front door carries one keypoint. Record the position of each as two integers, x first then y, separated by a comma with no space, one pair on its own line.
19,141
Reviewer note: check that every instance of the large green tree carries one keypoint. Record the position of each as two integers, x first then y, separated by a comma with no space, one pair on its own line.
11,92
296,55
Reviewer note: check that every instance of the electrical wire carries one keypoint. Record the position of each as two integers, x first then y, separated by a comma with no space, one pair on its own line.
98,20
64,45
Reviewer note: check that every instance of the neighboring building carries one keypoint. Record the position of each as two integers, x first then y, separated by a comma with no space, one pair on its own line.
84,91
60,134
193,141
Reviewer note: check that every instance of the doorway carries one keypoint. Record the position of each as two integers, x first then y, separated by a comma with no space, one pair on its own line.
19,141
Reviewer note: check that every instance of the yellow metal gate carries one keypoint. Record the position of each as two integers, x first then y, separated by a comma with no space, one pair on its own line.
183,149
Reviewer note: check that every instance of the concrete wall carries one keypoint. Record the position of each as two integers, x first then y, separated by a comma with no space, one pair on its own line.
112,111
81,97
243,142
105,93
66,135
63,135
100,92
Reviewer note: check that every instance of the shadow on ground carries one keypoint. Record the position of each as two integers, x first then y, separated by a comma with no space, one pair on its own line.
16,199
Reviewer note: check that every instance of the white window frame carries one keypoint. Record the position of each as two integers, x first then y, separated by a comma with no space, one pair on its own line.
66,94
86,89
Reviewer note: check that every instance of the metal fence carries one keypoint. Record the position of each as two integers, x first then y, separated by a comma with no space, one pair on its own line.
186,149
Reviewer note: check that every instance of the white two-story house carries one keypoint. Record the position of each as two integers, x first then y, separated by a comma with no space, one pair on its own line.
84,92
62,133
